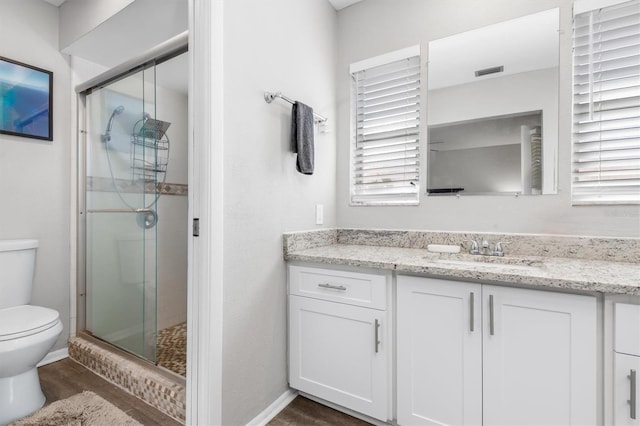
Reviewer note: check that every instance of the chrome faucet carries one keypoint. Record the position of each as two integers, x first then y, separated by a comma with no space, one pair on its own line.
498,250
484,248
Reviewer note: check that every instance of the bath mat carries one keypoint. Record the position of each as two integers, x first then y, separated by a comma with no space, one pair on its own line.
83,409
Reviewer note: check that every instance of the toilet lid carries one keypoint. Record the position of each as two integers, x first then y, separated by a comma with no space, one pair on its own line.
25,320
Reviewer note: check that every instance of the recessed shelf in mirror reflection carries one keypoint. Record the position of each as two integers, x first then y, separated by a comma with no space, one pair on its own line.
491,155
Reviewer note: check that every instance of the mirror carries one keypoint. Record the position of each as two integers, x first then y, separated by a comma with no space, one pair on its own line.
492,112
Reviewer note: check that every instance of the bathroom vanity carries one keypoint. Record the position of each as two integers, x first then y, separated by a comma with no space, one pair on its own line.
383,327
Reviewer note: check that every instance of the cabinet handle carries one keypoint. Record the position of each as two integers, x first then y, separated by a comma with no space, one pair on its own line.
632,394
332,286
376,327
471,311
491,325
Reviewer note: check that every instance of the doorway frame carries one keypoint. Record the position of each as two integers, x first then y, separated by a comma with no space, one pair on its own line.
206,183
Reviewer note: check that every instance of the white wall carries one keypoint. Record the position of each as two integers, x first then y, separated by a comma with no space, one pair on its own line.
109,32
367,29
35,175
79,17
500,96
278,45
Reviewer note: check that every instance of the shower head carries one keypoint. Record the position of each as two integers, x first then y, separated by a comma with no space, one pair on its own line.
107,134
154,129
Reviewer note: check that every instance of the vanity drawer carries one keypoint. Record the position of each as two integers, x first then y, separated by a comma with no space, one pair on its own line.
627,329
354,288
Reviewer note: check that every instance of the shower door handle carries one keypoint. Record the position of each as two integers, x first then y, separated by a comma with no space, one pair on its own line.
146,218
120,211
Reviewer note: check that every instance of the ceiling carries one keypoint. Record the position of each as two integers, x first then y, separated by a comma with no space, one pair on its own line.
337,4
55,2
341,4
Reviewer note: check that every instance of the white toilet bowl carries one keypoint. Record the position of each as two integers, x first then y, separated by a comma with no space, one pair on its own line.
27,333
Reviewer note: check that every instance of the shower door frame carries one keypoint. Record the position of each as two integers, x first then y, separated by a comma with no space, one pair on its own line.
173,47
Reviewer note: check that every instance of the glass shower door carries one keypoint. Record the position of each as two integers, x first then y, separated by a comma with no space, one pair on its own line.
122,158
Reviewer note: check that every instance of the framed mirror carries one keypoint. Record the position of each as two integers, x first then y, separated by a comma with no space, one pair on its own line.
492,112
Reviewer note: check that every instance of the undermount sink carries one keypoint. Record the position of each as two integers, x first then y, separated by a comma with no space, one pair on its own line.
496,262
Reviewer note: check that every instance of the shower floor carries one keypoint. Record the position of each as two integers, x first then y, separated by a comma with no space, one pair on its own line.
172,348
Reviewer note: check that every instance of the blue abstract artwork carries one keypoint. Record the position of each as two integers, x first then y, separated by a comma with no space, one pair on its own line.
25,100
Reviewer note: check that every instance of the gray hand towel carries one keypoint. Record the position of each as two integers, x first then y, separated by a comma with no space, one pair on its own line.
302,136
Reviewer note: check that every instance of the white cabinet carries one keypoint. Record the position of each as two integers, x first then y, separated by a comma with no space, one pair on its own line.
539,357
626,359
531,359
439,352
338,349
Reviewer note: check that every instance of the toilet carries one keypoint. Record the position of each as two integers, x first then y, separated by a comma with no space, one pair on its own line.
27,332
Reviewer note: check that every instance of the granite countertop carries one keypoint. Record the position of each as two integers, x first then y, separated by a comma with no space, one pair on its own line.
549,272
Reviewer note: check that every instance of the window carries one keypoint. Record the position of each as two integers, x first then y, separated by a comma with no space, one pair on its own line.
385,150
606,131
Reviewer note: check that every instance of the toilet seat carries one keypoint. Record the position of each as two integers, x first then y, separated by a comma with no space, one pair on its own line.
25,320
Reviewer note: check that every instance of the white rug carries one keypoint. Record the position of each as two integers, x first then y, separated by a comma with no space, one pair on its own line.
83,409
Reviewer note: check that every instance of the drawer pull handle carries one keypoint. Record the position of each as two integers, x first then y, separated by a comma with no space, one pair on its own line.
376,327
471,311
491,313
632,394
332,286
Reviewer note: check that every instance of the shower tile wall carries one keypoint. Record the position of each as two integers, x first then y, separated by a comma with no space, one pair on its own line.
172,105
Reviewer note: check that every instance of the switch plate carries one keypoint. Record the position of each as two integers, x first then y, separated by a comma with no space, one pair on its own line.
319,214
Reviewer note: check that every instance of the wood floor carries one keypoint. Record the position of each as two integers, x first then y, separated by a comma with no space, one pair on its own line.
303,412
65,378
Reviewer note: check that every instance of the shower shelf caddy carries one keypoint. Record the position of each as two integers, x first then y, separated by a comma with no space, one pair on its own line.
150,150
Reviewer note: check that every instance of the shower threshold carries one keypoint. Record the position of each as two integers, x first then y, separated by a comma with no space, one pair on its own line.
160,388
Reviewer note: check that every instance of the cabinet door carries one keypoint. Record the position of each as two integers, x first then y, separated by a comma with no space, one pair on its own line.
337,352
539,358
626,391
627,329
439,352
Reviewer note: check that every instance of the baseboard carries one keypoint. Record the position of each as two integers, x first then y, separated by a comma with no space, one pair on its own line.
54,356
272,410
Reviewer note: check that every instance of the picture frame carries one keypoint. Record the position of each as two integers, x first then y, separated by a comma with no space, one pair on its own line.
26,100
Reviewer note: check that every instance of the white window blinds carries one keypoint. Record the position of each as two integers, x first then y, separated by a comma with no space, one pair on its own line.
386,138
606,138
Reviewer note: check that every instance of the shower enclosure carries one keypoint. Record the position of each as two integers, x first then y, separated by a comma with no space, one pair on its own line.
126,161
121,196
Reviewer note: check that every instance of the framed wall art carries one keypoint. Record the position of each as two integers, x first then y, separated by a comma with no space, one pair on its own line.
26,95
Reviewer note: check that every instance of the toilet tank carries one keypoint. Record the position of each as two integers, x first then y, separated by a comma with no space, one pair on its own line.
17,266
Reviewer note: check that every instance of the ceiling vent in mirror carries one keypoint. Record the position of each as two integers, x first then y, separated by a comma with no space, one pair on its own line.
491,70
